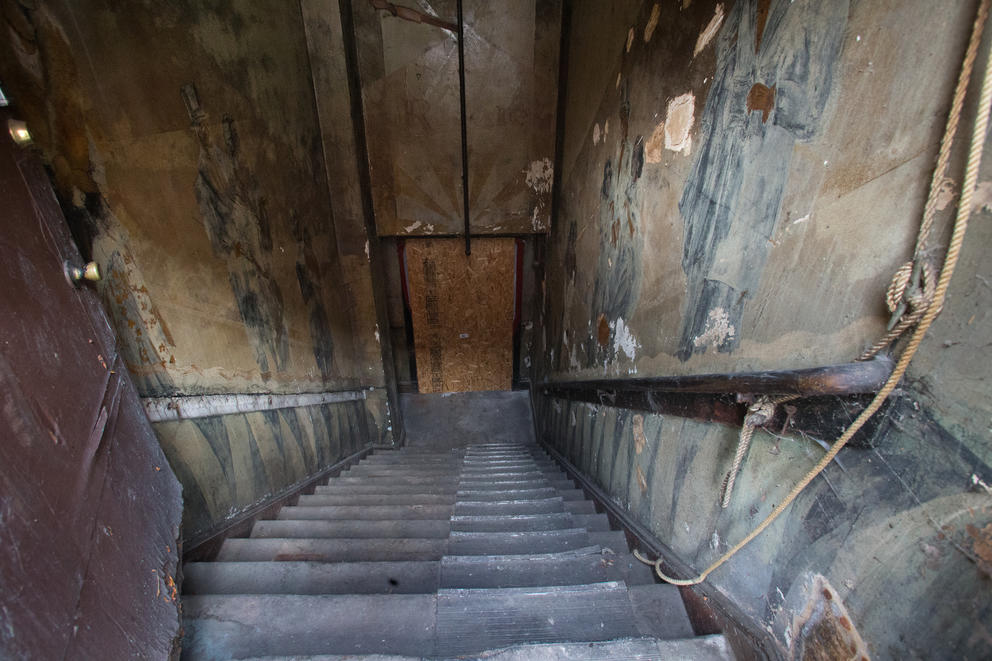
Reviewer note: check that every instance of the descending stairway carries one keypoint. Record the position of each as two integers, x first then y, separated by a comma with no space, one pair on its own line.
483,550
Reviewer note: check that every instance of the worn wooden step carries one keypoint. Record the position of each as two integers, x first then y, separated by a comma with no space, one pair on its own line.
614,540
412,577
331,550
473,621
362,487
237,626
367,512
659,611
517,522
346,498
508,494
589,564
512,522
512,543
700,648
545,505
360,529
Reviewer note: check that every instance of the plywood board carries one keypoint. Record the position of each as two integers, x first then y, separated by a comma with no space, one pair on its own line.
462,308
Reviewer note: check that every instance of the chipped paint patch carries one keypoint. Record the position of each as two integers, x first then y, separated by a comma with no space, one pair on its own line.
678,123
801,220
377,341
642,482
982,197
367,255
640,440
945,194
618,81
653,147
412,228
652,22
718,330
538,218
606,129
595,134
539,175
630,39
706,36
623,339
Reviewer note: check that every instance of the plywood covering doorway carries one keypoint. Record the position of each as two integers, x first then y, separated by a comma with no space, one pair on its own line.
463,313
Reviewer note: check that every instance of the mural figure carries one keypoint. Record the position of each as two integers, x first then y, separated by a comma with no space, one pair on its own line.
618,267
235,219
776,60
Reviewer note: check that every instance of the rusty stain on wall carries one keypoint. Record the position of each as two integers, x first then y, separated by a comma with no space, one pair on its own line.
824,629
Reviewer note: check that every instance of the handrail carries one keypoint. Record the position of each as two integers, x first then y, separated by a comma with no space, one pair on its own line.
846,379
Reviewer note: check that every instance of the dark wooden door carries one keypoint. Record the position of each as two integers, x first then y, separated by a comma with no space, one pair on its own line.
89,508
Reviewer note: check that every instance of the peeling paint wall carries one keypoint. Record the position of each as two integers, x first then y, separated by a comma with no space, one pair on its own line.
739,186
787,150
186,148
409,75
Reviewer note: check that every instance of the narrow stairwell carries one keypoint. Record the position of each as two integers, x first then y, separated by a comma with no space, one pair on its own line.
486,551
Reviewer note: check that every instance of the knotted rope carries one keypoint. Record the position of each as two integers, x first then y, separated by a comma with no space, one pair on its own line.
978,137
758,414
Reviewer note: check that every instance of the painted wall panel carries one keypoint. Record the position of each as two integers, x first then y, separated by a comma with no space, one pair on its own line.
228,464
409,77
713,217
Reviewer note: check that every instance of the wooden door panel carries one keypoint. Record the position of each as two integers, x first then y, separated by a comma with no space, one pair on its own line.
462,309
89,508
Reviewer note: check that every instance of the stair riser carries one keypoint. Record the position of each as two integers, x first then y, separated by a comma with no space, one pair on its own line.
332,550
423,529
357,500
311,578
369,513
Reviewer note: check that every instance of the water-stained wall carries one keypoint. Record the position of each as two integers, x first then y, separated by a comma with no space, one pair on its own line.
740,180
185,146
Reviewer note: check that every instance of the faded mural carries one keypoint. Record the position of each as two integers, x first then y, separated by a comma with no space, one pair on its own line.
785,55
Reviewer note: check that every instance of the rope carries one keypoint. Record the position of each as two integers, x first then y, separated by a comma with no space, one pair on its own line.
758,414
907,286
978,138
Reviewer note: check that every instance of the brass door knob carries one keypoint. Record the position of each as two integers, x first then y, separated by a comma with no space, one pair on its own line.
75,274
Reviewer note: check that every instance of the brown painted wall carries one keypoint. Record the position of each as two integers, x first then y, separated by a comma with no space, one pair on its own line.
768,244
185,144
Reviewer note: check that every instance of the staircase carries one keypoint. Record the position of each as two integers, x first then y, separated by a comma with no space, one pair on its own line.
481,551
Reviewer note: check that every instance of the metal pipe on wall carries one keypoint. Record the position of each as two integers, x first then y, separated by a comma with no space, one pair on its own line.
461,99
